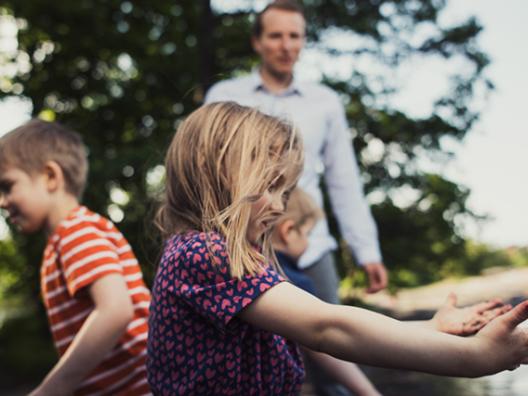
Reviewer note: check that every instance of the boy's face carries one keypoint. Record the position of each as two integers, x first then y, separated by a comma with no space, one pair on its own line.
296,240
25,198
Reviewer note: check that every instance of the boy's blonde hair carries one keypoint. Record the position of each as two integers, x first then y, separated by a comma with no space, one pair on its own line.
221,159
301,209
36,142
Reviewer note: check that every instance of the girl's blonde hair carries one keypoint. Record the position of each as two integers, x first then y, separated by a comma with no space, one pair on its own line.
221,159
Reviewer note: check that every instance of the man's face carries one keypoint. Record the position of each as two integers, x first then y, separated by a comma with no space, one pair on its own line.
281,41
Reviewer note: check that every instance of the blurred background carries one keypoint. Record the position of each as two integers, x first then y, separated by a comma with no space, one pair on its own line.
434,94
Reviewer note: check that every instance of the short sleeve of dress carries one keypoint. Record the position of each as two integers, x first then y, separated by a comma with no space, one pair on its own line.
206,285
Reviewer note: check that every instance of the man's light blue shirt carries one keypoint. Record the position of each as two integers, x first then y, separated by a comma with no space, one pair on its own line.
319,115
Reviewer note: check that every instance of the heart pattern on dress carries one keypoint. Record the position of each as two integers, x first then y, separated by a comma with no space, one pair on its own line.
197,345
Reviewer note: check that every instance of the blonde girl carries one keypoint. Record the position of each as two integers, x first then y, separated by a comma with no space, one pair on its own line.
223,320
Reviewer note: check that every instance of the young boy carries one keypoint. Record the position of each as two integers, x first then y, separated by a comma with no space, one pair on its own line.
290,240
92,286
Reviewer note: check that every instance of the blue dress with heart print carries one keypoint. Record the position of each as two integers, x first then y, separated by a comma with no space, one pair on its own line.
197,345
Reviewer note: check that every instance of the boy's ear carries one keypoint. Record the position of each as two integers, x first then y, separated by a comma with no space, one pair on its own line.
54,176
284,229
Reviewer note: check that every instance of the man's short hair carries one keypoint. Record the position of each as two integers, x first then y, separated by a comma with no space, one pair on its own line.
284,5
36,142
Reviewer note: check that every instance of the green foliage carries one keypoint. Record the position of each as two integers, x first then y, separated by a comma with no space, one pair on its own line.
25,350
18,279
124,74
482,257
12,267
420,238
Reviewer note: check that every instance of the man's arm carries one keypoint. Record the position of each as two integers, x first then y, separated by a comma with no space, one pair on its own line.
345,189
100,332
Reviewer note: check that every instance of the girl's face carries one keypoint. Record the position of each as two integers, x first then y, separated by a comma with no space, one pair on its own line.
266,210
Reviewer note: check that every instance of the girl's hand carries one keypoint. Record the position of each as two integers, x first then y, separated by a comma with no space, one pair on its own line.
469,320
501,344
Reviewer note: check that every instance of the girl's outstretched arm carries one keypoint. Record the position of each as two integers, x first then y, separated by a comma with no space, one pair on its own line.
363,336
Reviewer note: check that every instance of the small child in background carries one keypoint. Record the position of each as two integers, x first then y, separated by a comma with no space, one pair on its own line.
290,241
91,283
224,321
290,236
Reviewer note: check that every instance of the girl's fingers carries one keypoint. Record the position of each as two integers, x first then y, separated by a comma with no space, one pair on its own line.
470,330
492,314
451,300
486,306
516,315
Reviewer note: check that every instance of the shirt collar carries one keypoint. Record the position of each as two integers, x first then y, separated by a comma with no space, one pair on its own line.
258,85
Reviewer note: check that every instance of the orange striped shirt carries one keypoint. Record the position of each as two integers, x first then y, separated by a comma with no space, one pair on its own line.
85,247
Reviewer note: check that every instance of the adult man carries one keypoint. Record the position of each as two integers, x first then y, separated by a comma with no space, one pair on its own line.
278,38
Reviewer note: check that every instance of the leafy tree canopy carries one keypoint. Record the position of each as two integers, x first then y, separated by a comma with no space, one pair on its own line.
124,74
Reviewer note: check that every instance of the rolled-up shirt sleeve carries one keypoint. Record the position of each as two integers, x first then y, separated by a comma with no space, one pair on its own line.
345,189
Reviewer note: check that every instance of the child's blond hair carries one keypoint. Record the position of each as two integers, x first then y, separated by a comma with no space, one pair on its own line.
36,142
221,159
